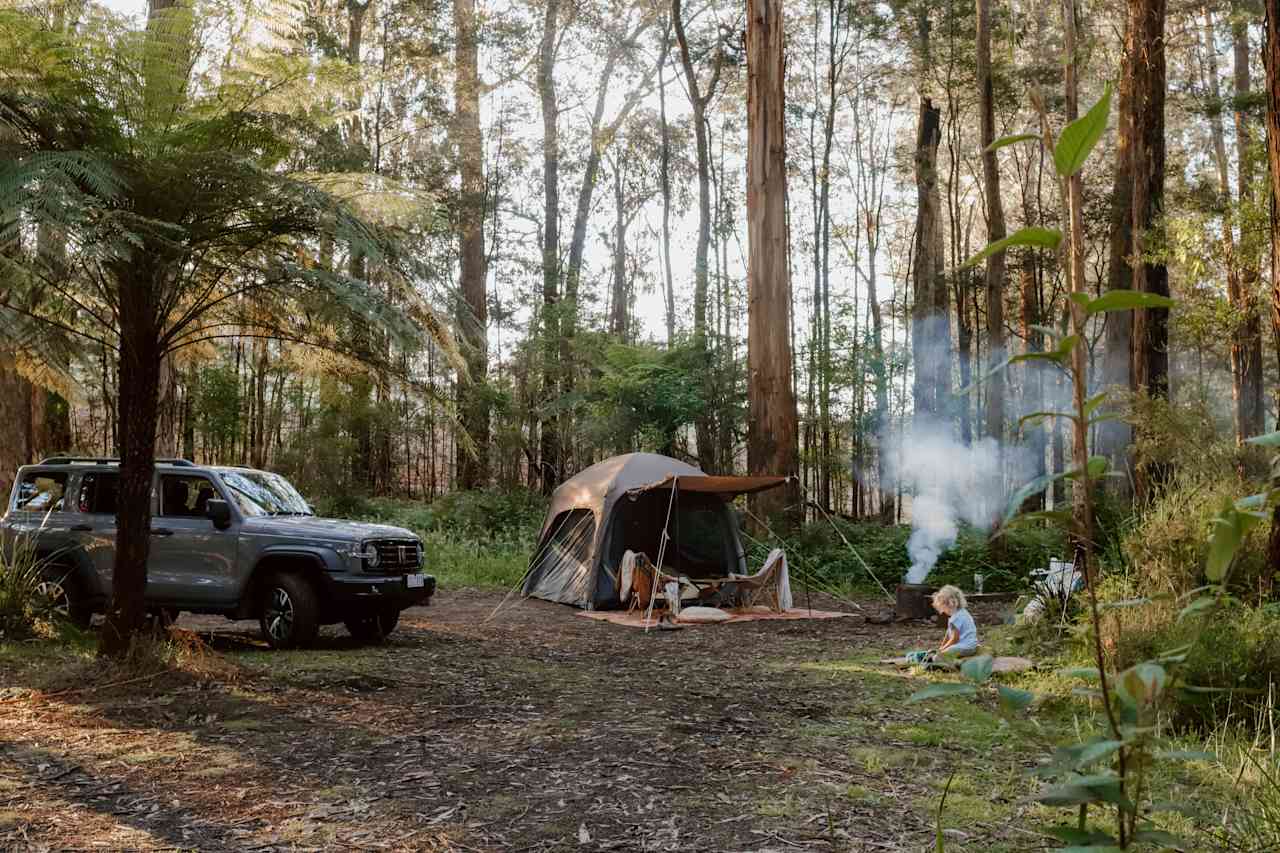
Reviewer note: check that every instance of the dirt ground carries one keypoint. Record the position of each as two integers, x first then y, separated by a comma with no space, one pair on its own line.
535,731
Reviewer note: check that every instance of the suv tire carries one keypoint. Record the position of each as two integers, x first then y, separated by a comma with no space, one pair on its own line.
374,627
66,599
290,611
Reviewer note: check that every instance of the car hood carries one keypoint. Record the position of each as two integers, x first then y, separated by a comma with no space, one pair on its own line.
331,529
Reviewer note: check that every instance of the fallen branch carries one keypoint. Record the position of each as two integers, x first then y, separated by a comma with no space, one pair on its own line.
90,689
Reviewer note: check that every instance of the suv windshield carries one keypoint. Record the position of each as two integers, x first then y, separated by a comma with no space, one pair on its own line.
261,493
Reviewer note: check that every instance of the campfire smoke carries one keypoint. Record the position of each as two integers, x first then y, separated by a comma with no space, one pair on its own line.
951,482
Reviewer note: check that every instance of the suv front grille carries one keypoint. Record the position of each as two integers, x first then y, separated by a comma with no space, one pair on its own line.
394,555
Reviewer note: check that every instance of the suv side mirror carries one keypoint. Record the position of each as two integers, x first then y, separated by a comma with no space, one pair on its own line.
219,512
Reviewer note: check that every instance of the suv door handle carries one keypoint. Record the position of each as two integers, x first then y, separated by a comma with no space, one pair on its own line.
161,531
82,528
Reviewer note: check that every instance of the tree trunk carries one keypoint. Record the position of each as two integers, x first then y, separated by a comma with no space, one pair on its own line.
834,66
473,467
139,397
1246,343
1150,325
728,363
995,384
930,330
1081,489
771,428
665,179
704,424
259,449
362,469
1115,436
1033,377
620,314
1271,62
549,462
880,370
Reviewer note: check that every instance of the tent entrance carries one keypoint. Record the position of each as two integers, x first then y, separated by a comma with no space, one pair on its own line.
703,536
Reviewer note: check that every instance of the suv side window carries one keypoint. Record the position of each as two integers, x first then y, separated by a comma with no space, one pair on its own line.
185,495
98,492
42,491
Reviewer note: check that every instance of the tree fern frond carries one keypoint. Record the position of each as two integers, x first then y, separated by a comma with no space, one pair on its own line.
48,375
378,198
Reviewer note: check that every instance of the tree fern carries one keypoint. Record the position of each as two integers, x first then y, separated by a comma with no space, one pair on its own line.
164,156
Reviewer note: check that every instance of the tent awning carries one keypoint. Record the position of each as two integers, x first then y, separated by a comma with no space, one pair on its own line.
710,485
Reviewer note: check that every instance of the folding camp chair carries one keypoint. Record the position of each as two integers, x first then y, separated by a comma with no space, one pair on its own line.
638,583
637,580
770,586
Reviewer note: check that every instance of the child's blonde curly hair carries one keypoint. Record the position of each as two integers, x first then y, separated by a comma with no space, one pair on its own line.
949,596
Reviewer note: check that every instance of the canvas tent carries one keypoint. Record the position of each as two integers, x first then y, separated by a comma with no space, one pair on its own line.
625,503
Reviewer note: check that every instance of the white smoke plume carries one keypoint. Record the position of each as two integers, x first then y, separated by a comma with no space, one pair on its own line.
951,482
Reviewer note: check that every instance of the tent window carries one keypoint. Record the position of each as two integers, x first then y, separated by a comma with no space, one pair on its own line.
570,538
561,570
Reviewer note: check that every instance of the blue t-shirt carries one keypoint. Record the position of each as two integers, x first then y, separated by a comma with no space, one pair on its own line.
966,631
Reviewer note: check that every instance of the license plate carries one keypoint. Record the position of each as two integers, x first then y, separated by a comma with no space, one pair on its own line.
415,581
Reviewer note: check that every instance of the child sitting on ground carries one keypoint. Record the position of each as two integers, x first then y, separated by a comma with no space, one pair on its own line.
961,639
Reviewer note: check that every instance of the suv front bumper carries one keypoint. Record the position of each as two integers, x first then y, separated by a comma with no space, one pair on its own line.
349,591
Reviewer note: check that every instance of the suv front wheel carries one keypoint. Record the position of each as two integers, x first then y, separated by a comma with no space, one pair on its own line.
290,611
374,627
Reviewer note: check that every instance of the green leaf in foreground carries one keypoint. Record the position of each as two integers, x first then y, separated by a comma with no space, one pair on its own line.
1198,606
1080,137
977,669
1032,235
1126,300
1012,699
1097,467
1035,487
1229,529
935,691
1013,139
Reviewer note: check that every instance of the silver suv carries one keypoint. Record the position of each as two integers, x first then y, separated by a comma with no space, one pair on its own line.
232,541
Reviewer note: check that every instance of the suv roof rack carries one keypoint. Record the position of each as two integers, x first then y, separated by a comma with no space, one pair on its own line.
109,460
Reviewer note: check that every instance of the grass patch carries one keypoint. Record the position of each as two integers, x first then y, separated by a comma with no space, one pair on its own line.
457,562
472,539
787,806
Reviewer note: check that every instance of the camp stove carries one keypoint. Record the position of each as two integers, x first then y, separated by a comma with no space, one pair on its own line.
913,601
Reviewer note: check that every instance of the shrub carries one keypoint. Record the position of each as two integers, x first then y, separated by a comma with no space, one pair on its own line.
486,515
478,538
24,601
1233,651
1167,546
1005,561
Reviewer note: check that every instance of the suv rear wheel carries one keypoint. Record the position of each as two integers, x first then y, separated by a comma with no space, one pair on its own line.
374,627
290,611
65,600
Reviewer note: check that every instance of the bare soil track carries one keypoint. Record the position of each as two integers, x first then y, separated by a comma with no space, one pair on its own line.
536,731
